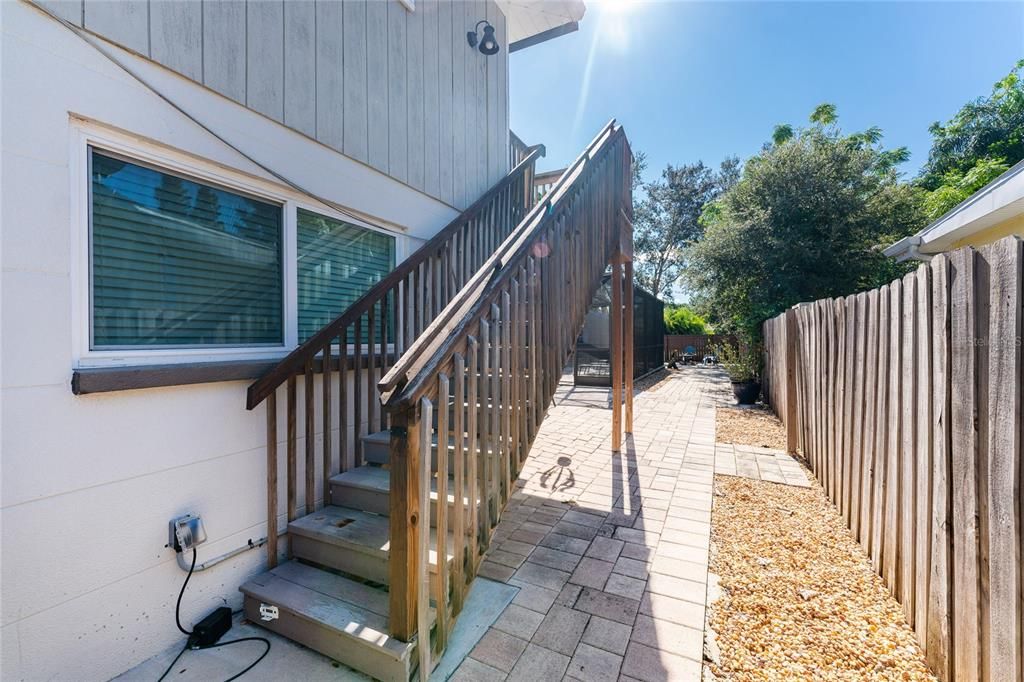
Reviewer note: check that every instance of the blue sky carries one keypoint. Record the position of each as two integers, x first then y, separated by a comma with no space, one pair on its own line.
703,80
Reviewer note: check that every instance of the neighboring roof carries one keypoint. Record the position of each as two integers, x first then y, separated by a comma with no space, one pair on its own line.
999,200
533,21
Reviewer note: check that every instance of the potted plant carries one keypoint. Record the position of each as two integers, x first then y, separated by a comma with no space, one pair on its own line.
743,365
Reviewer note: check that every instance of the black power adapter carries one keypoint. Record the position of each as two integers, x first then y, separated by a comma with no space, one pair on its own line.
210,629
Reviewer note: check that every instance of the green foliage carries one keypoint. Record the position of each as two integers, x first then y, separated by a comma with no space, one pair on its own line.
741,362
824,114
782,132
666,219
681,319
803,223
980,142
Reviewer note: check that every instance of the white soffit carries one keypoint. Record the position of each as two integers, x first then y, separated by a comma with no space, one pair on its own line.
999,200
527,18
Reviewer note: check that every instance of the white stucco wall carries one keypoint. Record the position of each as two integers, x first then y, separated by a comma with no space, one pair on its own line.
89,483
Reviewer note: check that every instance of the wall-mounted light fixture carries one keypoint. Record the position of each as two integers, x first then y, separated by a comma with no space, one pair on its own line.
488,44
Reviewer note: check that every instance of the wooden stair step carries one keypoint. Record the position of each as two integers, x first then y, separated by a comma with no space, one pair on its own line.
367,487
351,540
377,448
341,618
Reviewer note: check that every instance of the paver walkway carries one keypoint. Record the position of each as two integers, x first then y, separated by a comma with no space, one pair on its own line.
610,552
760,464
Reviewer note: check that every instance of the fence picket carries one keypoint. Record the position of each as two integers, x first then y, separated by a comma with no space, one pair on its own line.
1003,430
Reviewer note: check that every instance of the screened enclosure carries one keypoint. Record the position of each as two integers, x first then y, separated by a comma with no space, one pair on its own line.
591,365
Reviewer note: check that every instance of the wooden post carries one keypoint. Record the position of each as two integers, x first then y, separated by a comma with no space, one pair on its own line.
405,520
615,355
792,429
627,336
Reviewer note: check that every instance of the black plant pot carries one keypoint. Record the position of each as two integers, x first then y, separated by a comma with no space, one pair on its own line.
746,392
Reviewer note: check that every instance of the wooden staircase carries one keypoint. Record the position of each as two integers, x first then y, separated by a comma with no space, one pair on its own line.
464,344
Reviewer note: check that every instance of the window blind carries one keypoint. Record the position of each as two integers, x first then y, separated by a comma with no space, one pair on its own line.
177,263
338,263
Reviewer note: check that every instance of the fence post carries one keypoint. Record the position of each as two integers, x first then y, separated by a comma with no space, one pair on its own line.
792,344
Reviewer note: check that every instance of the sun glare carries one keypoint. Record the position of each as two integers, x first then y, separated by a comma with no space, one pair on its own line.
617,6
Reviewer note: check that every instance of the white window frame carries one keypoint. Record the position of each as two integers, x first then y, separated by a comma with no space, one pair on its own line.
85,136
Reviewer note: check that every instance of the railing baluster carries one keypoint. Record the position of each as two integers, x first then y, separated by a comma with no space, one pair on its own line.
401,293
410,309
441,598
494,496
271,479
343,449
486,403
292,444
327,464
310,414
357,392
385,314
472,487
439,270
521,369
535,409
371,367
459,485
505,482
421,297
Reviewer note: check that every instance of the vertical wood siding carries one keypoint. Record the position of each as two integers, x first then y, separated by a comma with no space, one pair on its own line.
399,90
925,388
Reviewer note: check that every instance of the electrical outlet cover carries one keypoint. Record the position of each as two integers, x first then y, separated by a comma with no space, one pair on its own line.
187,532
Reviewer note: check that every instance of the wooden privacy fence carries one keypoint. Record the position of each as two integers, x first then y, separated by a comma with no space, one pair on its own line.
906,403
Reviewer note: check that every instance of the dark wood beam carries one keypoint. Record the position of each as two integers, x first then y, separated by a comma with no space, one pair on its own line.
544,36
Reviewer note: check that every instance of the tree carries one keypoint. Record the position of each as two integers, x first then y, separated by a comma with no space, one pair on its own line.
782,132
667,220
206,208
803,223
681,319
978,144
171,195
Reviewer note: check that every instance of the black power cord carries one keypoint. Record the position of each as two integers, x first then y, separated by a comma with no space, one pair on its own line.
190,643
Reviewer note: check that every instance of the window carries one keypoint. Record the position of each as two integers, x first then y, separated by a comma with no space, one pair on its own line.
337,263
182,261
176,263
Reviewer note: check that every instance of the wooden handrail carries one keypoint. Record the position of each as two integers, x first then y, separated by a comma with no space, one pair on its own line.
296,360
479,379
442,335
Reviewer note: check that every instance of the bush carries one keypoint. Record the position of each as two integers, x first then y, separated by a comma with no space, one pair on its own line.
742,362
682,320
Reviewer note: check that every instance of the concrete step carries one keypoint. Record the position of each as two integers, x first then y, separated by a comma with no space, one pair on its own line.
341,618
353,541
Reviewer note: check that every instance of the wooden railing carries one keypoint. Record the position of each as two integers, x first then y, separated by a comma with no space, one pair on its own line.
517,150
906,402
543,182
485,371
367,337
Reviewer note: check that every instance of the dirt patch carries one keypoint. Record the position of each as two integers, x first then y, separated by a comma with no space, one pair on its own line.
754,425
799,599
